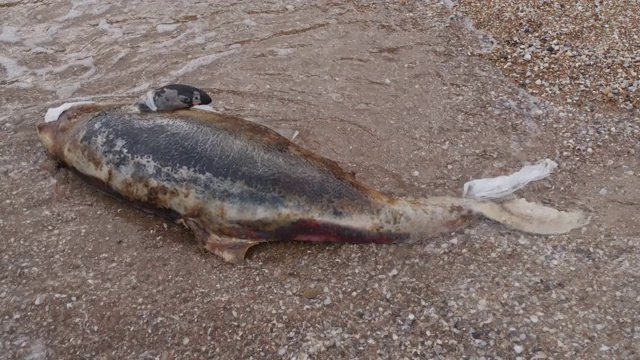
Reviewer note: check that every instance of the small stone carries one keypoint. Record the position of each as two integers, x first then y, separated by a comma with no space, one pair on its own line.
533,318
387,293
603,191
393,272
327,301
311,293
336,97
415,173
387,81
518,349
527,56
604,348
185,341
39,299
411,317
282,351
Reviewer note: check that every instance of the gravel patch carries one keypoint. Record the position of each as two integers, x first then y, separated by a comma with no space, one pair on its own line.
579,53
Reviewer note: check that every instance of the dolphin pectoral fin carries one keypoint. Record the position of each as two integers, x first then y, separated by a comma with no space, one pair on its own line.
232,250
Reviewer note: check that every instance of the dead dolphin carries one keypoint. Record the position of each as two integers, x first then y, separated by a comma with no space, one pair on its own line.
236,183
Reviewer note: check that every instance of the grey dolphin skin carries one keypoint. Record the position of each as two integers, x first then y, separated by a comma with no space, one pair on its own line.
236,183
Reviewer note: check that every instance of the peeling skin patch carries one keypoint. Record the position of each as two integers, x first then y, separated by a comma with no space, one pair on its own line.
53,114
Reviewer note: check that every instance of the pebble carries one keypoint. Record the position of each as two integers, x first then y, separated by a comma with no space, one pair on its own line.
603,191
311,293
336,97
40,299
518,349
